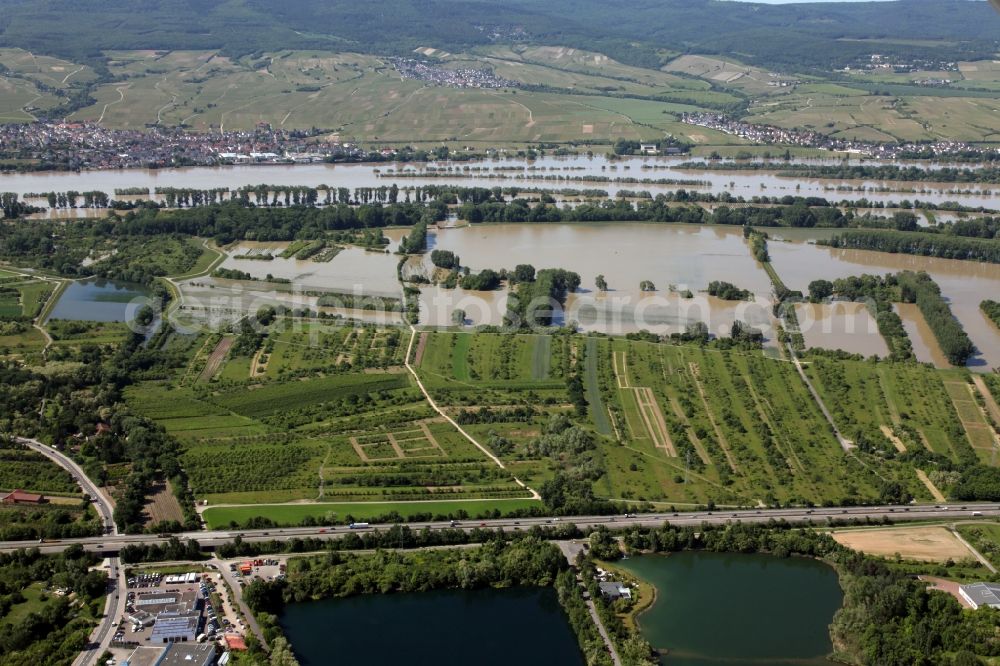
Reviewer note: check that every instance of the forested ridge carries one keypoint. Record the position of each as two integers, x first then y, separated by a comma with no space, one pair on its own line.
809,36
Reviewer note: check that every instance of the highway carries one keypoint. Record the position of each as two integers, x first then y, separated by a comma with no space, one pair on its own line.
110,543
115,606
819,516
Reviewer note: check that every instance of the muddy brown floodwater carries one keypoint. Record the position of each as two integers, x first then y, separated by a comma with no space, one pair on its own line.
964,283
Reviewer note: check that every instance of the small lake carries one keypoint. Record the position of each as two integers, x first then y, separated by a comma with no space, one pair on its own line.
99,300
726,608
524,626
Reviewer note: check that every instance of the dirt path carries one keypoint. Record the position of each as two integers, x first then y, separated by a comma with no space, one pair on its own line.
216,359
656,424
121,91
935,493
621,374
723,443
322,480
883,384
649,408
421,346
979,556
991,403
898,443
927,442
845,443
255,363
430,401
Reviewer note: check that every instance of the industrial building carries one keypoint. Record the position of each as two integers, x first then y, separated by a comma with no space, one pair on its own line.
188,654
144,656
140,618
168,602
175,628
981,594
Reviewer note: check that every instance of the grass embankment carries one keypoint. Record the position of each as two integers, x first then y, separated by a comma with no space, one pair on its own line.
294,514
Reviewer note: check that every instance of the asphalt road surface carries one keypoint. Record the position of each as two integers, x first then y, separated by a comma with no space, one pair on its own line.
100,639
818,516
101,501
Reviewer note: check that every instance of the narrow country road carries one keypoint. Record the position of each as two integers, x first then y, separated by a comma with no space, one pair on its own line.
114,607
101,501
844,442
604,632
237,590
979,556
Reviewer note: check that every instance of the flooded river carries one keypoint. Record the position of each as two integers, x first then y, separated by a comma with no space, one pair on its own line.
679,260
550,173
675,258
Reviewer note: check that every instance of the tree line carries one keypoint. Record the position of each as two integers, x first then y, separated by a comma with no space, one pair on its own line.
921,289
991,309
918,243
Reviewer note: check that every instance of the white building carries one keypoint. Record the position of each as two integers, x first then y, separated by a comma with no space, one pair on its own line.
981,594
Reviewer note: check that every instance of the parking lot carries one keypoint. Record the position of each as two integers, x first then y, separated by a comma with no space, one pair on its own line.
203,592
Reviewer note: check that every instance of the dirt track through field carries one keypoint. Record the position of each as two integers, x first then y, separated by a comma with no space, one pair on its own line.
931,488
898,443
215,360
723,442
649,409
991,403
421,345
975,422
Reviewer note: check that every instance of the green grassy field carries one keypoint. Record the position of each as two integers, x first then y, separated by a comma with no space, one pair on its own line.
591,383
687,425
670,424
341,512
313,347
912,398
33,472
574,95
318,423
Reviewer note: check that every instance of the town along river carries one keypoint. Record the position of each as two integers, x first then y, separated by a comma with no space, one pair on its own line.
524,626
727,608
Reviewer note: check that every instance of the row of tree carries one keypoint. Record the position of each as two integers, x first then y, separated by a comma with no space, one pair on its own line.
992,310
918,243
921,289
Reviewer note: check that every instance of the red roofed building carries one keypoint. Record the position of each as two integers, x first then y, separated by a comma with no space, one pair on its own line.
21,497
235,642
